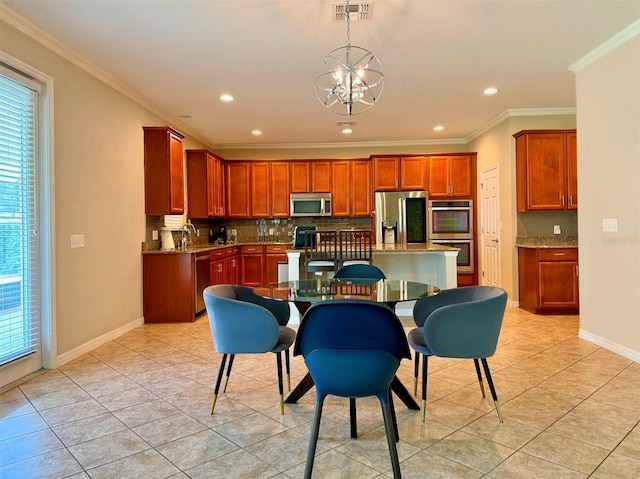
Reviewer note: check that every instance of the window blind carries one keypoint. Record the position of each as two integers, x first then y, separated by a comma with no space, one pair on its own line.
19,251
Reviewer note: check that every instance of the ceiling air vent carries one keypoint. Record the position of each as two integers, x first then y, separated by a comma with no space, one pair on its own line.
357,11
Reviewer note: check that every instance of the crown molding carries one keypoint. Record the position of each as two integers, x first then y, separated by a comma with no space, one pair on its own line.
511,112
50,42
608,46
351,144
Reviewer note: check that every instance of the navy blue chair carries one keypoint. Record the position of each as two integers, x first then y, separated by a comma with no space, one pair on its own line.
458,323
360,271
244,323
352,349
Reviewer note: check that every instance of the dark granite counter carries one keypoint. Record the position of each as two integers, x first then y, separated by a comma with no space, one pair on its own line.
556,241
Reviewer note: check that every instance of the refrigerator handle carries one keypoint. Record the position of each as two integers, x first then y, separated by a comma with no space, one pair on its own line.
402,224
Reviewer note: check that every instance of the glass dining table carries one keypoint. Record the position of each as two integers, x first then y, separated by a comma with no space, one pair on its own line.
305,292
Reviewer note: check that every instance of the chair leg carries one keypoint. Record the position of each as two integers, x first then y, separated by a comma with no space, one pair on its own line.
313,438
393,416
287,366
391,437
226,380
425,366
218,381
280,388
416,368
487,373
353,418
477,364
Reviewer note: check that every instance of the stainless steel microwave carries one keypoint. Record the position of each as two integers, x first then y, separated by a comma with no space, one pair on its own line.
310,204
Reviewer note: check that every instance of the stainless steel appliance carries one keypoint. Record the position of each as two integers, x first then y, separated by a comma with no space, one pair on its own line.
202,279
298,235
451,224
407,210
465,255
450,219
310,204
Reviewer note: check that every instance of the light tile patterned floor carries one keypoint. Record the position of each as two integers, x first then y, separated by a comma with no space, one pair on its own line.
138,406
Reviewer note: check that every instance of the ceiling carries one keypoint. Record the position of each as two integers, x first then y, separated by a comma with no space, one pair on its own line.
438,57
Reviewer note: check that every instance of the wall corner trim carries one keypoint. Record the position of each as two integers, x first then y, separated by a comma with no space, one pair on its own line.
99,341
610,345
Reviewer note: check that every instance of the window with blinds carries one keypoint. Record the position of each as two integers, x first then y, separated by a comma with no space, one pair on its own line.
19,247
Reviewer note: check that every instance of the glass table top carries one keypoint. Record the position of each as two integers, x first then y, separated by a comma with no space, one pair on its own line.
379,290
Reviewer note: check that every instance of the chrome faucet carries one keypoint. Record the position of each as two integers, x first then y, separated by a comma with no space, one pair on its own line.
187,229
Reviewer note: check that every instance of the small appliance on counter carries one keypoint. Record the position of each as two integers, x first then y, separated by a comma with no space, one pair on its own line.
298,236
166,238
220,237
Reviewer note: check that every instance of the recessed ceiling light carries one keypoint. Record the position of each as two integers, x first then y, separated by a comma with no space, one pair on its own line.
347,130
438,128
490,91
226,97
256,133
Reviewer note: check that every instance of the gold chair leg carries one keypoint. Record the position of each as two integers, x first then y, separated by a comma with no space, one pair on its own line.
289,382
282,404
482,387
213,402
424,408
498,410
415,386
226,381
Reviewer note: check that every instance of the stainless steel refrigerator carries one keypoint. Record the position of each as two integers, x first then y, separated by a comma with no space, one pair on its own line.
401,216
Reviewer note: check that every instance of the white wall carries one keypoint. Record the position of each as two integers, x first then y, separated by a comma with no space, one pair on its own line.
608,105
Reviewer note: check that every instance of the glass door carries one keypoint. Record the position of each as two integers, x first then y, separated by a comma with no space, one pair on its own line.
20,349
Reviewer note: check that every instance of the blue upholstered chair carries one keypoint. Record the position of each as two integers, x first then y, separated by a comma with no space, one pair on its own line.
458,323
352,349
359,270
244,323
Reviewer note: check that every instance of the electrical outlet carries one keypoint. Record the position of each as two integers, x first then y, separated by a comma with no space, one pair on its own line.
154,235
556,229
77,241
610,225
198,233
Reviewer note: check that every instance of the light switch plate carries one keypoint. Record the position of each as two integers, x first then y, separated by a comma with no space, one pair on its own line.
77,241
154,235
610,225
556,229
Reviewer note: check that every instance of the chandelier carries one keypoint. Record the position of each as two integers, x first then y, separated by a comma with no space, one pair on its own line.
349,79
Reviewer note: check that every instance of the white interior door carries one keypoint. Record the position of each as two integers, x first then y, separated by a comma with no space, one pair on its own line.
490,229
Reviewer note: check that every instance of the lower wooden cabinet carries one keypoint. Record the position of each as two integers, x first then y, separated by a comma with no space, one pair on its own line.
274,254
168,287
251,265
548,280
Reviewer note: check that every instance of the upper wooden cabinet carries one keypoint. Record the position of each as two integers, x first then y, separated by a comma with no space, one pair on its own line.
395,173
351,188
270,189
312,176
238,189
163,171
386,173
546,170
205,184
451,176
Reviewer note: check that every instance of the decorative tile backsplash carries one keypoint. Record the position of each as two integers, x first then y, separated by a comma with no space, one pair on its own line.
541,223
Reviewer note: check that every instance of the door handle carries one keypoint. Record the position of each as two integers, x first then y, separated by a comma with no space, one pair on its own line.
494,240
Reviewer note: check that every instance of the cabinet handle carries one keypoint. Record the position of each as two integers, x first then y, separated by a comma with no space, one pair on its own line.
559,254
577,271
563,200
570,200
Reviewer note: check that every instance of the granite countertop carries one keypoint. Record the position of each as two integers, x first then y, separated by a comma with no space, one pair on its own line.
546,241
201,248
405,248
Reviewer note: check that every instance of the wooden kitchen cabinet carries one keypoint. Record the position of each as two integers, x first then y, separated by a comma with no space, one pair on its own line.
320,176
163,171
168,287
232,265
270,189
413,173
217,270
396,173
274,254
238,189
300,177
548,280
351,188
451,176
252,265
546,170
204,184
386,173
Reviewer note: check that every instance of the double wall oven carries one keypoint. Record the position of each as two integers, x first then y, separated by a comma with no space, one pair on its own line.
451,224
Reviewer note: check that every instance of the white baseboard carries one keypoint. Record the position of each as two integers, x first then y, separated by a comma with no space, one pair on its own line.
99,341
610,345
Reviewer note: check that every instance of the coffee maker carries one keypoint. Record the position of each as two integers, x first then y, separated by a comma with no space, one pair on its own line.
221,238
